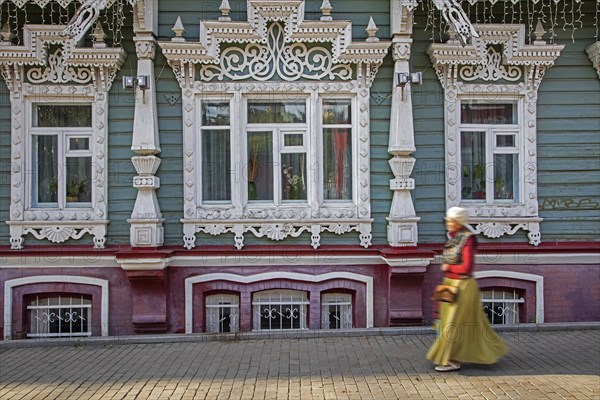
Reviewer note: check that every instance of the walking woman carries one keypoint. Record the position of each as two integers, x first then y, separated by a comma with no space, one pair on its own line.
464,332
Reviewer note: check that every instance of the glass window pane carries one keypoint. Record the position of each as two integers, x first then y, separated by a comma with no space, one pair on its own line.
45,167
268,112
68,116
78,188
215,114
482,113
260,166
506,176
79,143
473,165
505,140
337,160
293,139
337,112
216,155
293,176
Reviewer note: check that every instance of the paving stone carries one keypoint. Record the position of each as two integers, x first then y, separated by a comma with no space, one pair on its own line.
540,365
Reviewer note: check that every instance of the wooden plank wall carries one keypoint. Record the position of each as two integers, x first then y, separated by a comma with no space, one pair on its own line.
568,135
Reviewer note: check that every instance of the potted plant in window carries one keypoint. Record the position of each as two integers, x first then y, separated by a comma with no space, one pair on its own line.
75,190
476,177
294,185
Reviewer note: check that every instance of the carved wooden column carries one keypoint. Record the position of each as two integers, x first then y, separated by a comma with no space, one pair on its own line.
402,220
146,221
146,269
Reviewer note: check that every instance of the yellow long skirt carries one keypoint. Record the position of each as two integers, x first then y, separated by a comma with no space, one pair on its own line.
464,332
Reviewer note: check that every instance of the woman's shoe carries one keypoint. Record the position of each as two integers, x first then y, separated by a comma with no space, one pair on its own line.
451,366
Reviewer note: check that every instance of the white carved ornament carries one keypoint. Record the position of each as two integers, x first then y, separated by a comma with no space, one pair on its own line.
491,70
263,61
275,230
456,67
56,71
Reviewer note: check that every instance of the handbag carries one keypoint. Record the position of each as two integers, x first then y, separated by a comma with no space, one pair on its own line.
445,293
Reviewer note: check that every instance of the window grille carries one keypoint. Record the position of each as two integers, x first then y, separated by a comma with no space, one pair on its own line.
280,309
222,313
501,306
336,311
60,316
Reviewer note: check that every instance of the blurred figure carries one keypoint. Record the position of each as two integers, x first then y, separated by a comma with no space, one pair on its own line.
464,332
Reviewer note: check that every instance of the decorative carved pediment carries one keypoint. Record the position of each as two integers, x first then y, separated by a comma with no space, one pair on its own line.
480,59
278,40
65,64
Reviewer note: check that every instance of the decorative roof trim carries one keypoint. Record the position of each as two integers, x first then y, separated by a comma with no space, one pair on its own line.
254,30
37,38
514,52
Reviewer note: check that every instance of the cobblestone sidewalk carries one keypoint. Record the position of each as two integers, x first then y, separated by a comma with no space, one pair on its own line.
540,365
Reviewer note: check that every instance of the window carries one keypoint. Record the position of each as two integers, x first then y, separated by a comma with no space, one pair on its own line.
216,152
222,313
337,150
489,140
276,127
276,143
336,311
60,316
501,306
61,156
279,309
59,130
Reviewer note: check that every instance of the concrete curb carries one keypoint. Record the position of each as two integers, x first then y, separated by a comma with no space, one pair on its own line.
232,337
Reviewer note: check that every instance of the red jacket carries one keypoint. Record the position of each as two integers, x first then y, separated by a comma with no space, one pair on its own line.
458,271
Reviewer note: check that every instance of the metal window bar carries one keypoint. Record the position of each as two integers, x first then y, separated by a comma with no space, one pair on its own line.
336,311
501,306
222,313
64,319
280,310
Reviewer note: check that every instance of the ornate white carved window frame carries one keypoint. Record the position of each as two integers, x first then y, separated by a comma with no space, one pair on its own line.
478,71
205,70
69,74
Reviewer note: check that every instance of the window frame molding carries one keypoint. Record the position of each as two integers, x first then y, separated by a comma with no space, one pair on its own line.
479,71
202,70
69,74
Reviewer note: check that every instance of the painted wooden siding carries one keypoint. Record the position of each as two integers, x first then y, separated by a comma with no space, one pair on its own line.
568,136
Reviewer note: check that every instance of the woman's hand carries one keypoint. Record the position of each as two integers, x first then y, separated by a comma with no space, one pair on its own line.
445,267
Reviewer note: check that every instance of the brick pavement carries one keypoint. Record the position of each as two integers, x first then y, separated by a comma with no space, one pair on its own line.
540,365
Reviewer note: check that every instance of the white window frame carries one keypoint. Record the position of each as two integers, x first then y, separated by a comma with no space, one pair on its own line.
35,76
214,303
347,70
509,305
75,311
482,71
63,135
492,131
274,302
343,303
